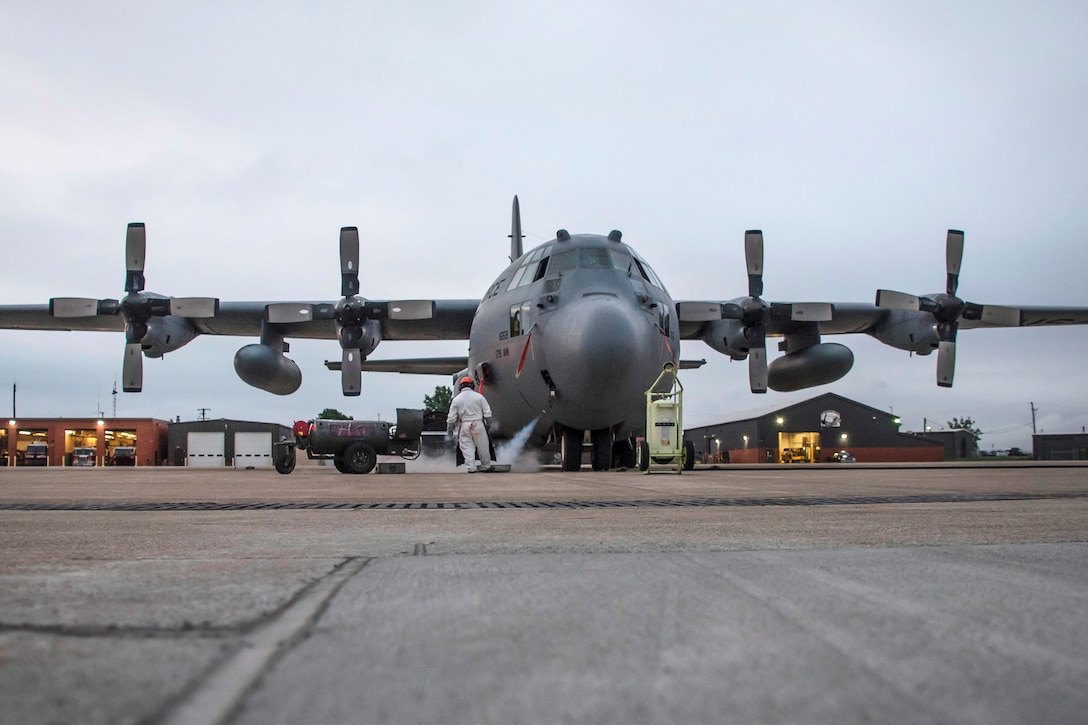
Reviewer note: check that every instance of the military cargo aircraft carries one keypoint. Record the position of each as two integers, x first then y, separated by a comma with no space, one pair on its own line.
568,338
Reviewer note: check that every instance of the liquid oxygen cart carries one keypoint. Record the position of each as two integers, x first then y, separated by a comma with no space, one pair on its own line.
664,443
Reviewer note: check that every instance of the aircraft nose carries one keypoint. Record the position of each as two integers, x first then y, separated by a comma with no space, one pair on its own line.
598,348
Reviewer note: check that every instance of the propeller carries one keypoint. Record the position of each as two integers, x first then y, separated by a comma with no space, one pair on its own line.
755,313
358,326
947,309
137,307
350,313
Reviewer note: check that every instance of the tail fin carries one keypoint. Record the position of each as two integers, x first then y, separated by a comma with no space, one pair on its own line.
515,231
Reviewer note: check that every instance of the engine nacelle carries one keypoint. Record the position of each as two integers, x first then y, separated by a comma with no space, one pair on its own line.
818,364
166,334
262,367
908,330
727,337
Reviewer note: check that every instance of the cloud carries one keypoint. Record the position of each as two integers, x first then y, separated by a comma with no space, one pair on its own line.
246,135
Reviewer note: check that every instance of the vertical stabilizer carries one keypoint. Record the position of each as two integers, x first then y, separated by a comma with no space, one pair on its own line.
515,231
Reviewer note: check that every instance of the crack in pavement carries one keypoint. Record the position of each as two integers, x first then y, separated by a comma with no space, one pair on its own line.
219,693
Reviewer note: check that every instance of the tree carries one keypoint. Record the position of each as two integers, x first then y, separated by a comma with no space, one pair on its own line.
333,414
966,424
441,399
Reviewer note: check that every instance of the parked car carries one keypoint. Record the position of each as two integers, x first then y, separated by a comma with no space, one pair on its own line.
843,457
124,456
794,455
83,456
37,454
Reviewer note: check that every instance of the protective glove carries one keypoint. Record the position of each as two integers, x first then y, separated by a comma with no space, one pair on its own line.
487,424
451,429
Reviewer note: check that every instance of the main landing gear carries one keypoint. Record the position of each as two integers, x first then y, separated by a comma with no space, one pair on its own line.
605,450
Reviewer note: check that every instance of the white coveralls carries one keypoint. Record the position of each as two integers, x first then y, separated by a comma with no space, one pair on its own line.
468,411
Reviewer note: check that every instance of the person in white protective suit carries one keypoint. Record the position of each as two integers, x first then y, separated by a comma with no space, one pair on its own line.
469,417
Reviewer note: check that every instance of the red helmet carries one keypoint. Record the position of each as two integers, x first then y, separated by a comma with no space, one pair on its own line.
466,381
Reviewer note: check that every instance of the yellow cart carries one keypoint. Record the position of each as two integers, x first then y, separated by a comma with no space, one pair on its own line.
664,442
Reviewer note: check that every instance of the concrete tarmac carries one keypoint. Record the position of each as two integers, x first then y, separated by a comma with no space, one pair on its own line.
746,594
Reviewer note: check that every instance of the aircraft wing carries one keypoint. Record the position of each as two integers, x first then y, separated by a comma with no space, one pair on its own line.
449,320
853,317
37,317
417,366
921,325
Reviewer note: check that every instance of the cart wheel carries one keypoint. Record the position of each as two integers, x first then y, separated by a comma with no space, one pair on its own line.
689,455
359,457
643,456
285,463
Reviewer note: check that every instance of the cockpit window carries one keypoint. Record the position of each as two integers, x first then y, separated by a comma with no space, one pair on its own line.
648,273
590,258
531,270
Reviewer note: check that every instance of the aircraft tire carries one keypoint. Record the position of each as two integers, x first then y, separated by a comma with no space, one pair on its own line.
643,456
624,454
360,457
689,455
602,449
570,449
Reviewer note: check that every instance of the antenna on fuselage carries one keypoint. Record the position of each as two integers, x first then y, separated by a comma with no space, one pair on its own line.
515,231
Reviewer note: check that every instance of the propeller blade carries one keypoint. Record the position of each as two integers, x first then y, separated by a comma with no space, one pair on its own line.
946,362
992,314
351,372
194,306
753,257
283,312
757,369
802,312
890,300
349,261
1003,316
953,258
73,307
411,310
135,254
132,371
699,311
732,311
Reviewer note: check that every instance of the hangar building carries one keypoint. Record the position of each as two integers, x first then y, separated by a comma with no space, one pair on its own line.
138,442
222,442
83,441
812,432
1060,447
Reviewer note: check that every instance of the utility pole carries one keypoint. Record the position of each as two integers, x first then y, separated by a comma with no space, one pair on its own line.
203,413
1033,409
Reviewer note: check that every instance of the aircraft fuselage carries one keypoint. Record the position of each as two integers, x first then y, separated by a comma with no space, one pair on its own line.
571,335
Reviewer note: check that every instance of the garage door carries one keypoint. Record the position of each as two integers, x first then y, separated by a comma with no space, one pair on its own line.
252,450
205,450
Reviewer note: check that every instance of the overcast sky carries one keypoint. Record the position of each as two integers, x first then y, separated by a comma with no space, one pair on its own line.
245,134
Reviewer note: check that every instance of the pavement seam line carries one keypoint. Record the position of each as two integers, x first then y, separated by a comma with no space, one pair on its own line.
225,687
